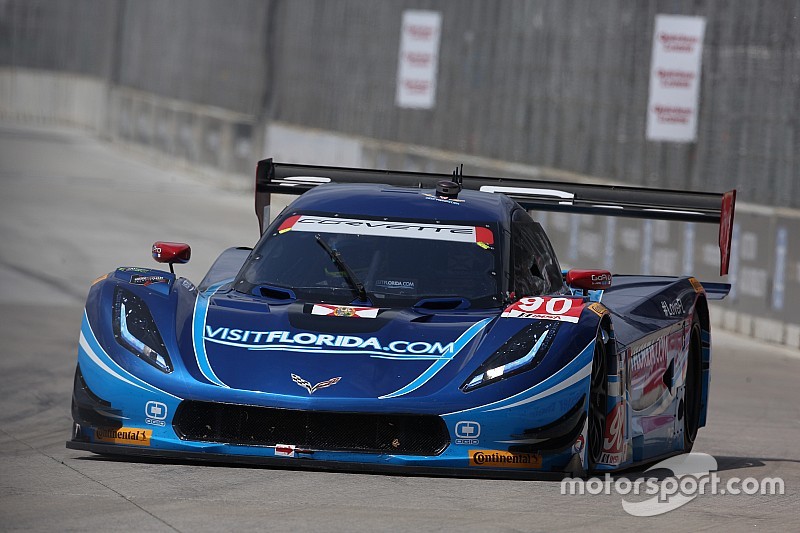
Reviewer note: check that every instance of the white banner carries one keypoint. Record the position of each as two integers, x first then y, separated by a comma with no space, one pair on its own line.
387,228
675,78
418,63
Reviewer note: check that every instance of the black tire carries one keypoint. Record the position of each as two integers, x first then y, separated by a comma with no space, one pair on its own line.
693,388
598,403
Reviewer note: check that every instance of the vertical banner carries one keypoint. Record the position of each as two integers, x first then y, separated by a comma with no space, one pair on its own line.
418,63
675,78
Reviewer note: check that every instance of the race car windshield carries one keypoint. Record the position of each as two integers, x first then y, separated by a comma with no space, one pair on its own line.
399,262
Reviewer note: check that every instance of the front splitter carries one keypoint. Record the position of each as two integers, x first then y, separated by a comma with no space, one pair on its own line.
122,452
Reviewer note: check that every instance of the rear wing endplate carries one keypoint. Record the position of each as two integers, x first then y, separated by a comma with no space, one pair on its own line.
542,195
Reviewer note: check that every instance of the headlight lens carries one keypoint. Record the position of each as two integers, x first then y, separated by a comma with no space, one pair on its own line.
135,329
521,352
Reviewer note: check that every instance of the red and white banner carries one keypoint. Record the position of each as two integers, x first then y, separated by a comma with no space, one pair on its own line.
675,78
418,63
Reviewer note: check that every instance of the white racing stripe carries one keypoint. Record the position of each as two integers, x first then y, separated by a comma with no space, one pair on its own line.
550,193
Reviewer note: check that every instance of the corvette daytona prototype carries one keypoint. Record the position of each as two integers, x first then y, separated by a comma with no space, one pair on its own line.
398,321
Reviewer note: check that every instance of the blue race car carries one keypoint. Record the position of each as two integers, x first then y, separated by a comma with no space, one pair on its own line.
397,321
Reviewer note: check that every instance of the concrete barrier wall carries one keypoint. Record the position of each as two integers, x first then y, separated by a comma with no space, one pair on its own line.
37,95
765,269
211,140
220,143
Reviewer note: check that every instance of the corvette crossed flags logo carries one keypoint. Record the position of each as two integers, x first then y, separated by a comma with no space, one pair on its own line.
321,385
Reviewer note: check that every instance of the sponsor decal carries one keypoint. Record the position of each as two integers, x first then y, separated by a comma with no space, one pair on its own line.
443,199
698,287
285,450
503,459
396,284
602,280
321,385
673,308
134,269
322,343
343,310
387,228
648,364
614,438
188,285
648,360
148,280
156,413
467,432
544,308
598,309
138,437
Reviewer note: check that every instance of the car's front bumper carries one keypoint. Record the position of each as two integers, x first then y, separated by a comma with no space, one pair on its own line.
118,413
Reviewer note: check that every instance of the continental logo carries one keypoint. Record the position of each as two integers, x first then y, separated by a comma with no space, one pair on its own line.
139,437
598,309
698,287
498,458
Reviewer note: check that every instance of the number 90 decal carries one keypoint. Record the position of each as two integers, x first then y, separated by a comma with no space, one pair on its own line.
544,308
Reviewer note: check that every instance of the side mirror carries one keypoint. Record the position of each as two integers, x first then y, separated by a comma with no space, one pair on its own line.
171,252
589,280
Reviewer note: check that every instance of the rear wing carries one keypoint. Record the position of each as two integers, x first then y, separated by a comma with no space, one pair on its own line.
606,200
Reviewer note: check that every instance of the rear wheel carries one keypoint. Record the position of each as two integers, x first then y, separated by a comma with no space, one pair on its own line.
598,402
692,393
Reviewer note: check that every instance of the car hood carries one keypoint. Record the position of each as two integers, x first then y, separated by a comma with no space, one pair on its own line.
304,349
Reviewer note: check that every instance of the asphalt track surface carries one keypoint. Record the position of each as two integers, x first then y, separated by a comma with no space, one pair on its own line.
73,208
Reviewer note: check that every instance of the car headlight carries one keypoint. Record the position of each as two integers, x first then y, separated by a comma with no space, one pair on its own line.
521,352
135,329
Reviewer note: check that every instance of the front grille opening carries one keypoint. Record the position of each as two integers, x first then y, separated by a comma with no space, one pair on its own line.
314,430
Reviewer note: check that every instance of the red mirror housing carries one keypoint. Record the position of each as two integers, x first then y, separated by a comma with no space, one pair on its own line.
589,280
171,252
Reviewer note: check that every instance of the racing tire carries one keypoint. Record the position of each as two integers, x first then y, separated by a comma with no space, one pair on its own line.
693,387
598,403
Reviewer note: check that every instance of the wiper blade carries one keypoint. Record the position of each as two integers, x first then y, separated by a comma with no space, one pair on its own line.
351,277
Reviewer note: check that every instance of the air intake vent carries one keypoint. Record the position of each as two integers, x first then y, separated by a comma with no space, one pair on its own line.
314,430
